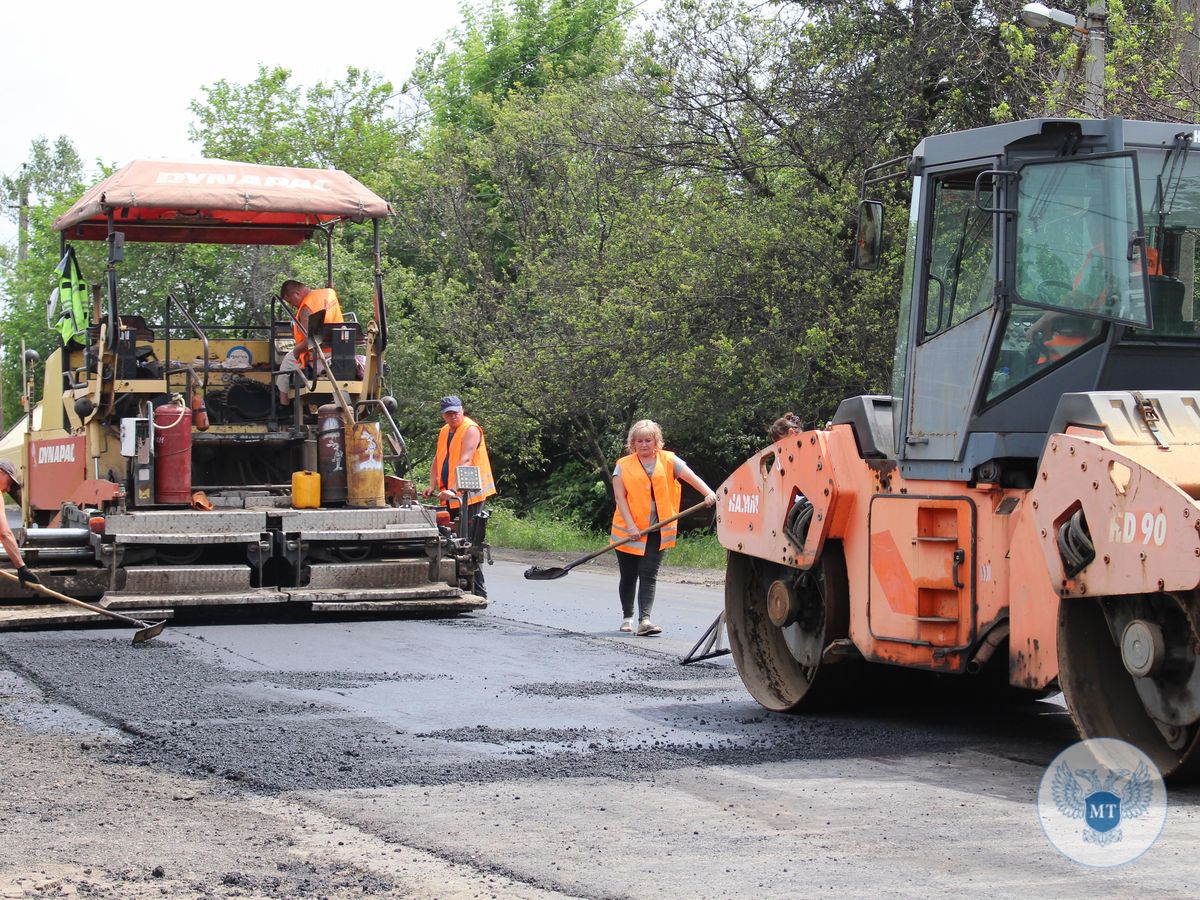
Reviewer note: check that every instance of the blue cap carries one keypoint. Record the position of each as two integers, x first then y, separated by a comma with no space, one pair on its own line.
451,404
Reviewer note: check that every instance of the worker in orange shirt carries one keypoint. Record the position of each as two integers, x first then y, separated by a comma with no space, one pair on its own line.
305,302
461,443
1056,333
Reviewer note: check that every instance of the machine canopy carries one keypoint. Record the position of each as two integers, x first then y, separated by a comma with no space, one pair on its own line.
213,201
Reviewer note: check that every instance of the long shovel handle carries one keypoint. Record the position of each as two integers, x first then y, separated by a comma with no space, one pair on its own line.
613,545
50,592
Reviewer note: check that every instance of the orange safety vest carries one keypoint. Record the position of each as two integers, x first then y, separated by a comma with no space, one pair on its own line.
452,447
322,299
667,491
1060,345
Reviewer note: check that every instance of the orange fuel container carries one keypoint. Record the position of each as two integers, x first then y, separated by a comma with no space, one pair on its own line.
306,490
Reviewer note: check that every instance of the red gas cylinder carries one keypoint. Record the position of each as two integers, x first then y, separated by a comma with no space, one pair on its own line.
173,454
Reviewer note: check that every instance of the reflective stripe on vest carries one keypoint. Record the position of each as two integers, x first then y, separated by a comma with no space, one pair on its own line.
322,299
453,453
667,491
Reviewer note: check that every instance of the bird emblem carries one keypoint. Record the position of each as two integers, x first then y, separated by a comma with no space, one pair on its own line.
1102,799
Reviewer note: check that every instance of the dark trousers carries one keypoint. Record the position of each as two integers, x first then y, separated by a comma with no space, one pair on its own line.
639,575
478,536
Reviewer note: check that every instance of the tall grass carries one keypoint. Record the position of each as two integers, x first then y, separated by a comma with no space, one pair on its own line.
695,550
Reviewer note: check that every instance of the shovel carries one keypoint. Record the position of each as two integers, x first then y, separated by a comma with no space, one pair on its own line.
146,630
548,573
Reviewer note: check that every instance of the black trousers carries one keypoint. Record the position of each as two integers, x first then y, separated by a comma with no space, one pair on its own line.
478,536
639,574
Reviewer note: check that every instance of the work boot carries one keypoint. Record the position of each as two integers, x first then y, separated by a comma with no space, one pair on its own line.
647,628
626,626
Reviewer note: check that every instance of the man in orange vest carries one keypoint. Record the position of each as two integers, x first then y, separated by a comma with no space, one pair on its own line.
461,443
10,484
305,302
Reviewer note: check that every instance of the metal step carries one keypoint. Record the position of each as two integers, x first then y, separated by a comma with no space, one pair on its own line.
124,601
186,526
375,597
355,517
386,573
80,583
27,614
465,603
167,581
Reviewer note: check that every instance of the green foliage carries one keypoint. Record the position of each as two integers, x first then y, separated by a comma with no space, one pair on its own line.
520,48
593,228
540,531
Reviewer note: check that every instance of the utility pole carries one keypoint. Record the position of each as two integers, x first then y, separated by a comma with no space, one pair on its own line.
1095,21
1092,25
22,250
23,213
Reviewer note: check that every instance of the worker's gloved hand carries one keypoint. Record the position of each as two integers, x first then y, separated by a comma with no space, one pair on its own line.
26,577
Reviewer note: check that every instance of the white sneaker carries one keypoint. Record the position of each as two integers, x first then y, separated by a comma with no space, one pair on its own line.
626,626
647,628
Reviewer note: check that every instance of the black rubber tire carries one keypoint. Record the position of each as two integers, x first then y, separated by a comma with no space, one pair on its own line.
1101,696
767,666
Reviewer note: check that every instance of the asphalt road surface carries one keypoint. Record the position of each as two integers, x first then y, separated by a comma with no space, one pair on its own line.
530,750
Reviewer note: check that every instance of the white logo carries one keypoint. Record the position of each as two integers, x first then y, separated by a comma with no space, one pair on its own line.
743,503
56,453
227,178
1102,802
1138,528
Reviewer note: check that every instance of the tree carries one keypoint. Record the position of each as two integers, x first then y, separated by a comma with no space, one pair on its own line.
524,47
46,185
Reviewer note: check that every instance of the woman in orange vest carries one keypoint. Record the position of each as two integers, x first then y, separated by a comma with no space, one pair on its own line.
646,486
461,443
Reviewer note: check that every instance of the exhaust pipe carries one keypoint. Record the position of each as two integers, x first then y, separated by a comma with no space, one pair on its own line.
987,648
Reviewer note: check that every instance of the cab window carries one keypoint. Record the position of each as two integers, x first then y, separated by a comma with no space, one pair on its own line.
960,277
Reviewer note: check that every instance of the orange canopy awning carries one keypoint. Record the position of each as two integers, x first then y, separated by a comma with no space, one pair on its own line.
213,201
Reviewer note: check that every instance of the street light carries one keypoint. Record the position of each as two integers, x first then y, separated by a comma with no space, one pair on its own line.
1091,24
1039,15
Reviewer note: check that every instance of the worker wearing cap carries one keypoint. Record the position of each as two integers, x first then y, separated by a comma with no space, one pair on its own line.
305,302
10,484
461,443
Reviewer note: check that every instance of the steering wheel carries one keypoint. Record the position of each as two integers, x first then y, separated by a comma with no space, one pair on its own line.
1061,289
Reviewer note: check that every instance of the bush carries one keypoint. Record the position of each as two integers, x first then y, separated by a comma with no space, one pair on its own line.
539,531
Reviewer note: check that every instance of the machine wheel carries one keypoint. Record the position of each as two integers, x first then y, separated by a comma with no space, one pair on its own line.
780,620
177,554
1129,669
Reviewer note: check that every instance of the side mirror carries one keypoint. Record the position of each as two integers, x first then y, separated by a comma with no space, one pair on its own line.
868,241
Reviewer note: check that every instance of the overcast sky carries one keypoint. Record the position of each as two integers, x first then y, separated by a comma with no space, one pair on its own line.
117,78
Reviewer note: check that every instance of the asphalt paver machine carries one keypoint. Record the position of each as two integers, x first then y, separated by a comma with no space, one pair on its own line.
162,470
1030,487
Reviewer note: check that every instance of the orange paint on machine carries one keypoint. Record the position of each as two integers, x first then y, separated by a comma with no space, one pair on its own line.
1007,513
